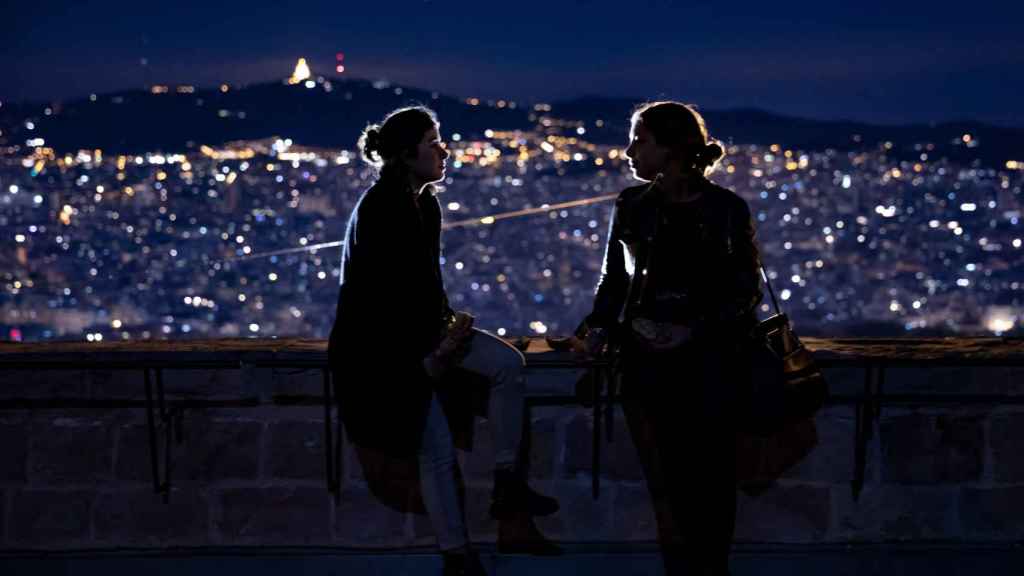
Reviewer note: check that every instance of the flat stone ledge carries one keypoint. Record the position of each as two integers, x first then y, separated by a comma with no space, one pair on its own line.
299,351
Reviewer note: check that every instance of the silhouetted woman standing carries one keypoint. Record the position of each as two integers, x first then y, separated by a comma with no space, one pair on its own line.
392,306
677,293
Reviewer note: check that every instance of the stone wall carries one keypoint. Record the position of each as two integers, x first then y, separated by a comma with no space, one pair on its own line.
75,468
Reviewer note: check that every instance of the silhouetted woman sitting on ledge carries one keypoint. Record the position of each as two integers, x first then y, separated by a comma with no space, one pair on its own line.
677,294
396,340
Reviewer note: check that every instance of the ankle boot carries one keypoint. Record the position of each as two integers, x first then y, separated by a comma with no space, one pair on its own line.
519,535
512,496
462,563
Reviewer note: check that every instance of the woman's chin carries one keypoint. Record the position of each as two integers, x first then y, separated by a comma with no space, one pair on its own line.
641,177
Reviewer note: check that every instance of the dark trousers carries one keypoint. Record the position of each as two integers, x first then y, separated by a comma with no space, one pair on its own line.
677,410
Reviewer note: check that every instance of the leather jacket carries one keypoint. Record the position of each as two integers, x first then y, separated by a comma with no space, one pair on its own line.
722,266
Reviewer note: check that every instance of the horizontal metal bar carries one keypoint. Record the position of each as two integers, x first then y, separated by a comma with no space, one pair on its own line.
540,400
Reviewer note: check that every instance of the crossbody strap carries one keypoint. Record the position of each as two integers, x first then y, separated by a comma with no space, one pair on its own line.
764,273
768,283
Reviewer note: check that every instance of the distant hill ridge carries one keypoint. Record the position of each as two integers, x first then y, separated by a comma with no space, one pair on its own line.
139,121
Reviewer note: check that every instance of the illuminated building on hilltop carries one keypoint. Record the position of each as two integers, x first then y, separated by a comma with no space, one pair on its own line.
300,73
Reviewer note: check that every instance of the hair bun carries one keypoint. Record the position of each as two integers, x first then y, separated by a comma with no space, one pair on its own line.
713,151
372,140
707,156
370,145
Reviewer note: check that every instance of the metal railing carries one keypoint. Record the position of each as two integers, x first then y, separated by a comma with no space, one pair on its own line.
165,418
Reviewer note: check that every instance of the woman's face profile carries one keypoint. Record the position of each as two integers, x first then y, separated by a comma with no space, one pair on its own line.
646,157
429,163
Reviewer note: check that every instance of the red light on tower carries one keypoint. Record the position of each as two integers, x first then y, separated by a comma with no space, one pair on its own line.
339,56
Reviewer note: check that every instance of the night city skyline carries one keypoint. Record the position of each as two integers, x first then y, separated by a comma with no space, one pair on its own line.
139,215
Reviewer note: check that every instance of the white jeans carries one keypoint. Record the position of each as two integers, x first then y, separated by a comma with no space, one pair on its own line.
502,364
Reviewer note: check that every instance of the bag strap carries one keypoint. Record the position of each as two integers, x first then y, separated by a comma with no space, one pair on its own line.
768,283
764,273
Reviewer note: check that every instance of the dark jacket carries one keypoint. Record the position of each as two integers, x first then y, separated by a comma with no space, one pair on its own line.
724,262
388,316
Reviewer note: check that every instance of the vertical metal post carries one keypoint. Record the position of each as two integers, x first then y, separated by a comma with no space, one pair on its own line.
613,383
339,439
878,392
151,426
595,473
328,433
165,425
160,393
864,407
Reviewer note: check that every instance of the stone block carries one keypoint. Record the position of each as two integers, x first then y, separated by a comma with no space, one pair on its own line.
482,528
633,515
892,512
578,445
581,518
550,382
274,515
992,513
931,449
844,380
1015,380
138,516
785,513
543,449
71,450
423,532
296,450
217,449
49,519
1006,433
297,382
13,454
832,459
133,462
947,380
210,450
203,383
362,521
105,384
41,383
544,444
618,459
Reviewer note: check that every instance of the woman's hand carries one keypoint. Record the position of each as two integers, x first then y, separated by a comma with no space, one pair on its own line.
595,342
458,335
452,348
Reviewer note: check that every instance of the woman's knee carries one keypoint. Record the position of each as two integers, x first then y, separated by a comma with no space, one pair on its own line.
505,357
513,359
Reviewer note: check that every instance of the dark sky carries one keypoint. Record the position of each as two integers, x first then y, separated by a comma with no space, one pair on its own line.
888,62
